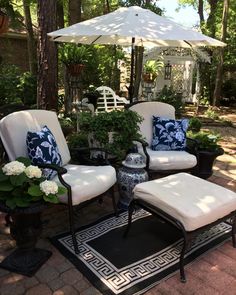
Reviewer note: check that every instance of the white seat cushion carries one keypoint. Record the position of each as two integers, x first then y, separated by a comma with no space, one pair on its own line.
87,182
193,201
171,160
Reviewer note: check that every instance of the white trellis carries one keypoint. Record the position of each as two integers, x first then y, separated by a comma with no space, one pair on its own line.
183,64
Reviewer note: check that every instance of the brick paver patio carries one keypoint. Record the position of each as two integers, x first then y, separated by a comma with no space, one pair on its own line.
214,273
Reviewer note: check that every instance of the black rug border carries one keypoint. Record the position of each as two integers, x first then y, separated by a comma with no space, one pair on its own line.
148,283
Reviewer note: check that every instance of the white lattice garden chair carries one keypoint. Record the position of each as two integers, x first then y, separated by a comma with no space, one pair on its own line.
161,161
109,100
83,183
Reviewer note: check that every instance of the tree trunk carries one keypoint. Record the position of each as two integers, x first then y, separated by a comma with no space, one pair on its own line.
32,53
74,11
201,14
47,56
219,74
211,21
60,15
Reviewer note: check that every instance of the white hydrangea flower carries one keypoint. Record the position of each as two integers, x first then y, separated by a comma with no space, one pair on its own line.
33,171
13,168
49,187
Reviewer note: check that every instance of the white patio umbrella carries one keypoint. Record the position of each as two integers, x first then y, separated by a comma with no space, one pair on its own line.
133,26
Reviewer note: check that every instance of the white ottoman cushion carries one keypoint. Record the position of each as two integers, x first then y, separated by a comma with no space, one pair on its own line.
191,200
87,182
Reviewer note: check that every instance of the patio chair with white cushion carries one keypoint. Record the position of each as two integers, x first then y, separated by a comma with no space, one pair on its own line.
109,100
83,183
161,161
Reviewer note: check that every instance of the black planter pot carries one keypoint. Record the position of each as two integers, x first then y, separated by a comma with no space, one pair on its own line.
25,228
206,161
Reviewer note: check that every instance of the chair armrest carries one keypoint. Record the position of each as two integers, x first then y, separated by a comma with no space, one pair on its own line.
58,169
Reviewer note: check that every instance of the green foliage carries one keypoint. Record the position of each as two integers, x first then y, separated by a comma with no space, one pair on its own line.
28,88
229,88
209,113
74,54
206,140
153,66
123,125
9,79
194,125
168,95
16,87
66,122
76,140
20,190
152,4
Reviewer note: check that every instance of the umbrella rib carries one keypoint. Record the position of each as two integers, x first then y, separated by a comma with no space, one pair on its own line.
57,37
188,43
96,39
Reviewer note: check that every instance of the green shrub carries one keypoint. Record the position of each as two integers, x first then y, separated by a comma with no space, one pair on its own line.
27,87
16,87
123,124
168,95
194,125
206,140
77,140
9,79
209,113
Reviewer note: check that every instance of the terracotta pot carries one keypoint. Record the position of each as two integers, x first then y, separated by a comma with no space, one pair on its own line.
4,21
149,78
75,69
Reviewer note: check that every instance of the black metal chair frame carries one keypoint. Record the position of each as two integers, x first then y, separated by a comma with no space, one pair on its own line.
61,171
188,236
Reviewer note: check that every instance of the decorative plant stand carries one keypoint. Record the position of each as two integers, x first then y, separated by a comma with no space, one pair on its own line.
25,228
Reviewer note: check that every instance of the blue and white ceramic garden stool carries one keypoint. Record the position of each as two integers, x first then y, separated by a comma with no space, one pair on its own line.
128,176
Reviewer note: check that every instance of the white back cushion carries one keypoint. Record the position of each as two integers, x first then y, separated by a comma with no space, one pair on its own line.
149,109
14,128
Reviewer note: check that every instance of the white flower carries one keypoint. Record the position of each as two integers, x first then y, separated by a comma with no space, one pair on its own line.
33,171
13,168
49,187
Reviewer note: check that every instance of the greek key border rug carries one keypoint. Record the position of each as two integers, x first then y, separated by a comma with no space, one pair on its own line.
132,265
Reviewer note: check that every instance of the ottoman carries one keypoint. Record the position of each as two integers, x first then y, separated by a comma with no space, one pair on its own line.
188,202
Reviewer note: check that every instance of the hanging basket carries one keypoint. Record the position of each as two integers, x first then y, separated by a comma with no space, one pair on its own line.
75,69
4,21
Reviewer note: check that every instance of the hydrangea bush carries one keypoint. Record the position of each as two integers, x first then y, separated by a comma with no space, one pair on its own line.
22,184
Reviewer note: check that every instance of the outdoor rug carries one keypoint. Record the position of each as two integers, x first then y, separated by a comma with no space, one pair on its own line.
132,265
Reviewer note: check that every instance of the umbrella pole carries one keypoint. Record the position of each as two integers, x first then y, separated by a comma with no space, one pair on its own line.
131,87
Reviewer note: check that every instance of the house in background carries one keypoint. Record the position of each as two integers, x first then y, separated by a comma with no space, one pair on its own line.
13,49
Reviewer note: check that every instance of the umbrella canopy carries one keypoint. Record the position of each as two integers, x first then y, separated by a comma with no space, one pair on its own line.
120,26
133,26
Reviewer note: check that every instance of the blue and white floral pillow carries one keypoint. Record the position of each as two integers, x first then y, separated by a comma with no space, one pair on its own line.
169,135
42,148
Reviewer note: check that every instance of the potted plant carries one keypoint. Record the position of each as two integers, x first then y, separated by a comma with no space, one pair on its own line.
208,151
66,125
151,69
24,193
114,131
74,57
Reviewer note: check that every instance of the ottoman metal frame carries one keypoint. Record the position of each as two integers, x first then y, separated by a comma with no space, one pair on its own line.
188,236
